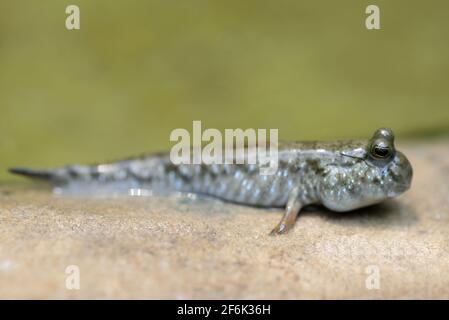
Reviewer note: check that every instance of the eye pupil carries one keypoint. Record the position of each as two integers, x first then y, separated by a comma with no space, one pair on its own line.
381,152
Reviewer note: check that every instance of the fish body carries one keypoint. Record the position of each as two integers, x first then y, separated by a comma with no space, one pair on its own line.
341,175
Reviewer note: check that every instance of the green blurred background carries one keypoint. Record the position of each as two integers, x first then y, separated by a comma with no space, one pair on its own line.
138,69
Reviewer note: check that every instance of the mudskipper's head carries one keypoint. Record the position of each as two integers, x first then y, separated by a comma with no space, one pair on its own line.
369,174
393,167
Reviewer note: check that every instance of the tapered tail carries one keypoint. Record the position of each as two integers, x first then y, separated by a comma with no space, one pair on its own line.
103,179
53,176
70,174
34,173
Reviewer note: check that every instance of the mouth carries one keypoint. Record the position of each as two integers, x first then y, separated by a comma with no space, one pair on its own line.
398,190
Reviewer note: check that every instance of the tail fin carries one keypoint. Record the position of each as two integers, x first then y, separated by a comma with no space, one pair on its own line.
47,175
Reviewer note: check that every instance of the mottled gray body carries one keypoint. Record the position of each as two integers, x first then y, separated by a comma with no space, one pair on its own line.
339,175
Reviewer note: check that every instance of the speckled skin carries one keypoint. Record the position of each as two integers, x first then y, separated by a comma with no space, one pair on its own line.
341,175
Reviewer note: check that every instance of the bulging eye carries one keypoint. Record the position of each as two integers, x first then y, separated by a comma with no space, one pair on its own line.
380,149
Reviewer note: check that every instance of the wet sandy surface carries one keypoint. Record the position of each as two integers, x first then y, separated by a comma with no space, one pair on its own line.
183,248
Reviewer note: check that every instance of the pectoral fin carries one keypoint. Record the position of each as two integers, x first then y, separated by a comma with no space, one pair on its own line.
292,209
